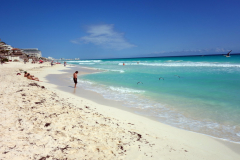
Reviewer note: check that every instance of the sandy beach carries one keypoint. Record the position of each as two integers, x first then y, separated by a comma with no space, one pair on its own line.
40,121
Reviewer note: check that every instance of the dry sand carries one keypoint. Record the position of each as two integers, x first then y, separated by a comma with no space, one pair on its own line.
38,121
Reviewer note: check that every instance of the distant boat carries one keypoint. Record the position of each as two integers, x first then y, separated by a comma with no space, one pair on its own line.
228,54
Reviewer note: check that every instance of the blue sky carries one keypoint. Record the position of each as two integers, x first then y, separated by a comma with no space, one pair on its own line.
93,29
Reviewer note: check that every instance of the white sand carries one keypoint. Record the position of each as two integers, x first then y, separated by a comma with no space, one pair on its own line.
46,123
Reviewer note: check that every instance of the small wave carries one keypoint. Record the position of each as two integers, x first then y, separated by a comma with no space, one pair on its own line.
121,71
96,61
110,92
86,63
71,61
85,82
125,90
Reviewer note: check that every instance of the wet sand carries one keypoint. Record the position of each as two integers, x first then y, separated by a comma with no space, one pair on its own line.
65,83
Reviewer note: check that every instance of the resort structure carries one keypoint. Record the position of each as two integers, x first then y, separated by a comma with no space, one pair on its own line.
33,52
9,53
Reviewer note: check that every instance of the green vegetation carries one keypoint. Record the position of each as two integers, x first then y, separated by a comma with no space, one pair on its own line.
4,59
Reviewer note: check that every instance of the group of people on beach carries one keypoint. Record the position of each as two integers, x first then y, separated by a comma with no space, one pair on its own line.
65,63
29,76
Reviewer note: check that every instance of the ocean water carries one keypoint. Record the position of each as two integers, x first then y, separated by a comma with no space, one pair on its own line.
199,94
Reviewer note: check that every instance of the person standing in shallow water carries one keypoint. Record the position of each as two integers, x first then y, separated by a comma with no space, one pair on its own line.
75,78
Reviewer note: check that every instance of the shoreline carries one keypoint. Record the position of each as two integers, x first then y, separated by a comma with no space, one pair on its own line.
144,138
87,94
118,105
121,105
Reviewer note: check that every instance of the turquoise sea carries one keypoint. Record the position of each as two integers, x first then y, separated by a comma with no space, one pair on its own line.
198,93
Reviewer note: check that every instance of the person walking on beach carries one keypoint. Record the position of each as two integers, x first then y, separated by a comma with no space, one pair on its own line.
75,78
65,63
52,63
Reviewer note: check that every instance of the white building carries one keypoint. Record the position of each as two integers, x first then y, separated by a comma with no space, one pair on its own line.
15,58
33,52
7,47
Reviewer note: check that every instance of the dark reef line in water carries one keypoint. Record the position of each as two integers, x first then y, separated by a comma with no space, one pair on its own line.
165,56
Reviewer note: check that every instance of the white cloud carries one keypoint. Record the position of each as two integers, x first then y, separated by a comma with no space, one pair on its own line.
105,36
74,41
221,50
